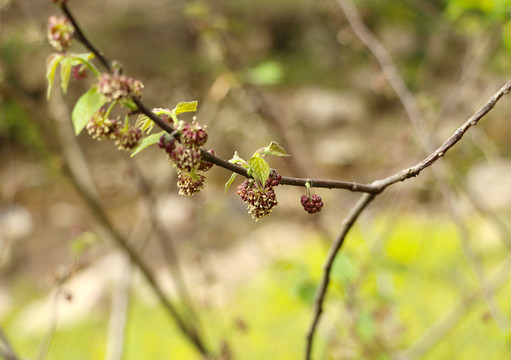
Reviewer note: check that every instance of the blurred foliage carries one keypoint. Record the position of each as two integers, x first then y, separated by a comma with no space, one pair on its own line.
385,293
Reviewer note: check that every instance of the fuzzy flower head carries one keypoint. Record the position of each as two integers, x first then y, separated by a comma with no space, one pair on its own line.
115,87
60,32
260,201
185,159
127,139
102,128
190,184
193,135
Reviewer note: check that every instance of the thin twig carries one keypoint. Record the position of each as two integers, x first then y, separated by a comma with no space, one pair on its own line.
416,119
386,182
319,298
419,124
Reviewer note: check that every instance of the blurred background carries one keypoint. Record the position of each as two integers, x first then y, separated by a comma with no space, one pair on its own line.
423,274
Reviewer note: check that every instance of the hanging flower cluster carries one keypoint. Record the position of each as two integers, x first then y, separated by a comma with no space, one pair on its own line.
185,155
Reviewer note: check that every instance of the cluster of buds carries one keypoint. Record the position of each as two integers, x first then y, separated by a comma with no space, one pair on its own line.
260,200
193,135
312,204
186,156
127,138
191,183
116,87
60,32
100,127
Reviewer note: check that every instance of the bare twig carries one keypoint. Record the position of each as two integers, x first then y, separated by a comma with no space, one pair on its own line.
418,122
319,298
386,182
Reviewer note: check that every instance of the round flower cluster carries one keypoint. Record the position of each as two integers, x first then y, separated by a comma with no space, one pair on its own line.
115,87
261,201
60,32
190,184
193,135
273,178
101,127
127,138
186,156
312,204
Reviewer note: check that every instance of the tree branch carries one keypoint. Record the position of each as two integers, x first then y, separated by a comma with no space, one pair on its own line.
319,298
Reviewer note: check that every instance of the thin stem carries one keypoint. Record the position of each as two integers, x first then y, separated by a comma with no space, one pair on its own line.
319,298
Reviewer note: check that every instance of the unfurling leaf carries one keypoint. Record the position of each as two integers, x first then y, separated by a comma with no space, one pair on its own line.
229,182
51,67
185,107
65,73
259,169
146,142
85,107
275,149
144,123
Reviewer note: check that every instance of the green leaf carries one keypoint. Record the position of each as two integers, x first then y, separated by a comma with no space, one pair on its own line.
51,67
78,59
144,123
259,169
275,149
185,107
229,182
65,73
146,142
85,108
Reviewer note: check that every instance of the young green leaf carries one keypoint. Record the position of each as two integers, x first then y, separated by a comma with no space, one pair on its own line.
185,107
144,123
275,149
146,142
259,169
77,59
229,182
65,73
51,67
85,107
